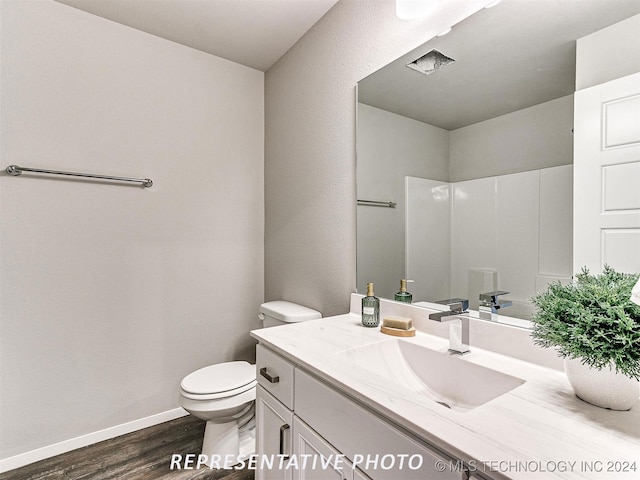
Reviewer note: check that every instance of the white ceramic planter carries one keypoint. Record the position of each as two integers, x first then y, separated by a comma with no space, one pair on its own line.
604,388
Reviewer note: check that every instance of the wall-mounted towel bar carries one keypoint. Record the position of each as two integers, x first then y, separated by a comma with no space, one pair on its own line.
375,203
15,170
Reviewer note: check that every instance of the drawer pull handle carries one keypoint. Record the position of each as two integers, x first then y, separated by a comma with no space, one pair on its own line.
283,429
263,372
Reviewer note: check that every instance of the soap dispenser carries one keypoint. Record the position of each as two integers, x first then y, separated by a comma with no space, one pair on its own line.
370,308
403,295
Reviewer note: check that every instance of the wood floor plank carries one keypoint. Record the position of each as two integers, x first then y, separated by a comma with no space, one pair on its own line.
142,455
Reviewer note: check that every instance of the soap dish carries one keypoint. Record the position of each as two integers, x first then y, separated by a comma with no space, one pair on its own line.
398,332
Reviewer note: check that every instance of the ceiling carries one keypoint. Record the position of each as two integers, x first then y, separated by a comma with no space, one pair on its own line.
255,33
512,56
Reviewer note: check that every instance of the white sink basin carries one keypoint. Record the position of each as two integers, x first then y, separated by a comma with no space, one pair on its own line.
447,379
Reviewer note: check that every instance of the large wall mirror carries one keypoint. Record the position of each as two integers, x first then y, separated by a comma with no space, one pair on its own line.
465,155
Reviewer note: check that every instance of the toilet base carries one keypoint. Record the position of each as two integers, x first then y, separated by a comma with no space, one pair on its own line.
248,444
222,439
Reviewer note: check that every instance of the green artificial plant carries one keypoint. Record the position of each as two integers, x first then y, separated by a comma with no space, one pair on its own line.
592,319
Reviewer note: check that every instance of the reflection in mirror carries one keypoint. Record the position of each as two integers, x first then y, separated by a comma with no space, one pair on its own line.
476,150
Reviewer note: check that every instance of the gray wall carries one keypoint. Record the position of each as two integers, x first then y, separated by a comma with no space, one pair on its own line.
110,294
528,139
608,54
310,105
391,147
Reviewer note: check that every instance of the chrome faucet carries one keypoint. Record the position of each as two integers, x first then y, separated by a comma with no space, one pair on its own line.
459,331
489,305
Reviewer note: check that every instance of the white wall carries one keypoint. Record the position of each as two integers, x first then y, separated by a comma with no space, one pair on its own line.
110,294
428,238
517,226
524,221
391,147
310,187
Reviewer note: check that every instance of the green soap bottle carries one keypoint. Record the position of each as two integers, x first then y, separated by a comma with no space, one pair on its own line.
403,295
370,308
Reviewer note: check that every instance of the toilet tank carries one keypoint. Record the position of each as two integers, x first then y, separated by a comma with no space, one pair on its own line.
280,312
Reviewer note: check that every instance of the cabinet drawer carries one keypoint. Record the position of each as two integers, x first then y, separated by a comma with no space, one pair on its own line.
356,432
275,374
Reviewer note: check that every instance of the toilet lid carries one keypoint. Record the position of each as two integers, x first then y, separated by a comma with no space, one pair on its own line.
221,377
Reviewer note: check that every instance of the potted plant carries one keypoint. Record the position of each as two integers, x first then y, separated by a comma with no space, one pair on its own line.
595,327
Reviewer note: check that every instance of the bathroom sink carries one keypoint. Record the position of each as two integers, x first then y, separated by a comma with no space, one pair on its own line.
450,380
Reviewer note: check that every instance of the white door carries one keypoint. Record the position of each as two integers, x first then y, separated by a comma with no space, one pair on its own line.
606,209
273,435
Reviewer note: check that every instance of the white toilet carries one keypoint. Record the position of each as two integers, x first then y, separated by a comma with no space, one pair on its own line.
224,394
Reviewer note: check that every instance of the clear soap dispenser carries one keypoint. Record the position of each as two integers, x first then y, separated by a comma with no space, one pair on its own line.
403,295
370,308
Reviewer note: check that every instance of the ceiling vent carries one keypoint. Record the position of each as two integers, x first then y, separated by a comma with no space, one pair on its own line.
430,62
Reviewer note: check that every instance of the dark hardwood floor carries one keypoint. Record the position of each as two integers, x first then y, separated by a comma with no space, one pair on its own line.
142,455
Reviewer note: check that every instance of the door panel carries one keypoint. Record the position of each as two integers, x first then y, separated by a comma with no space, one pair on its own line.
607,176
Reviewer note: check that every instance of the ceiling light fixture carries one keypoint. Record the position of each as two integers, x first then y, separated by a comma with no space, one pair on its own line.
410,9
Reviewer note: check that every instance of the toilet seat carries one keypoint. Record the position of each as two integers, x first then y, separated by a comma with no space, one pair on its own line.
220,410
219,395
222,380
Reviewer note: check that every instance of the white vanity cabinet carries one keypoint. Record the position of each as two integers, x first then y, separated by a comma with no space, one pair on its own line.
378,448
308,444
280,434
274,412
273,434
298,414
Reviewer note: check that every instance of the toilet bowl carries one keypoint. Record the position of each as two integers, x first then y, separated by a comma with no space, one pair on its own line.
224,394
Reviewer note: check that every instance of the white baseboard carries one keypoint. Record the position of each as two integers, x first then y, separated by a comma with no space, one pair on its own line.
49,451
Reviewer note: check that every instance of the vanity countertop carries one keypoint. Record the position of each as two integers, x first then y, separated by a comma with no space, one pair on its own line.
539,430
